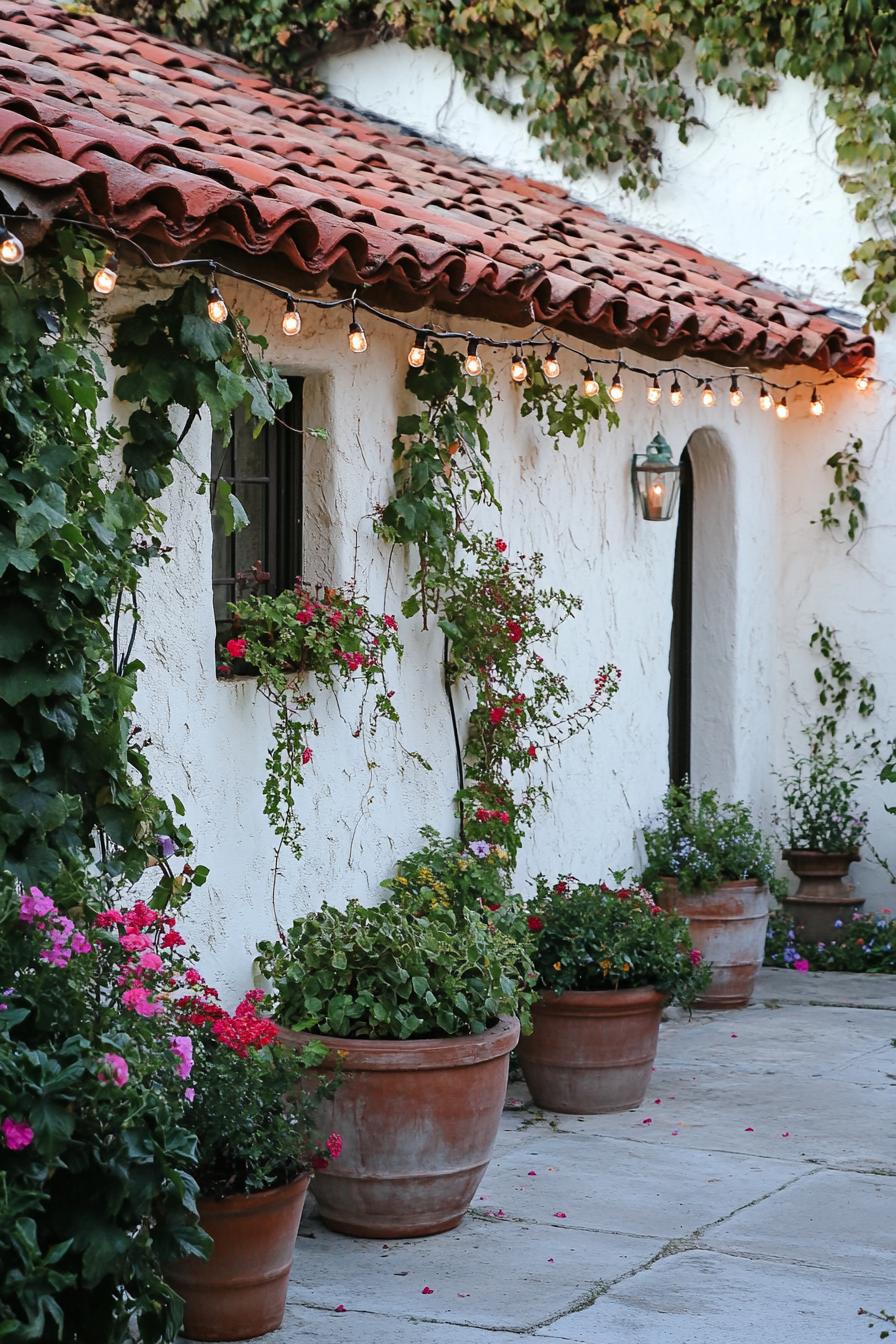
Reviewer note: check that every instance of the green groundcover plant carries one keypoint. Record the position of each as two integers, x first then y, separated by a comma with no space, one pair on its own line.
588,936
701,842
96,1145
396,972
865,942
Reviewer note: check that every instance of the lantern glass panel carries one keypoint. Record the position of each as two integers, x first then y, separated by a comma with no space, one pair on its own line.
657,485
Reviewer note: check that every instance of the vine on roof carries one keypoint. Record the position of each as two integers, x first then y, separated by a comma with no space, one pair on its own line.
595,83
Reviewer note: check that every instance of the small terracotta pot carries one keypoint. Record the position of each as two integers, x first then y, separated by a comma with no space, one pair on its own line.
418,1121
823,895
591,1051
240,1292
728,926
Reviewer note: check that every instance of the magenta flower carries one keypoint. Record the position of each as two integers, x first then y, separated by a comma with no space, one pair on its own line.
118,1068
16,1133
135,942
150,961
801,964
80,944
182,1047
189,1093
33,904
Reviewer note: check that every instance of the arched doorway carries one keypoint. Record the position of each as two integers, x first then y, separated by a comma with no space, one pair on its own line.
680,644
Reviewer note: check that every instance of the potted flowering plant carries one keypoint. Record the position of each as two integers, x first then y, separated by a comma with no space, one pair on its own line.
418,999
608,960
253,1104
707,860
825,830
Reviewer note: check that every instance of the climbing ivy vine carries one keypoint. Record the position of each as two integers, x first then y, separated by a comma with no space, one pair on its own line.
596,82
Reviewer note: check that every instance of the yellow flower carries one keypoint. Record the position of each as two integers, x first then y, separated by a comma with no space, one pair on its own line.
605,967
556,965
625,966
463,865
501,853
401,881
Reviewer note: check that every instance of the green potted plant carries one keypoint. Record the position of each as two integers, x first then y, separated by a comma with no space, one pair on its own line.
825,830
608,960
707,861
418,999
253,1107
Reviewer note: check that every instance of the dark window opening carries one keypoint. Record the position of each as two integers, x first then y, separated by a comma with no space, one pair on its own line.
265,474
680,678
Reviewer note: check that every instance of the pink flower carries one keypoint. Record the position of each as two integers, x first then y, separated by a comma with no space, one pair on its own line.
427,1291
192,976
182,1047
106,918
150,961
501,545
189,1094
696,956
236,648
390,623
307,756
118,1067
172,939
80,944
335,619
135,942
33,904
138,1000
334,1145
16,1133
801,964
305,616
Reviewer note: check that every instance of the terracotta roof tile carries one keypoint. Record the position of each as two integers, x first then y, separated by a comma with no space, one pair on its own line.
185,148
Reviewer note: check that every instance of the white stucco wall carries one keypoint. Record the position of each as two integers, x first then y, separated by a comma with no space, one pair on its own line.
757,188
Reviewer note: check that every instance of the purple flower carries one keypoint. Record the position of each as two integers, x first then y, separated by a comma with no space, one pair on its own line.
166,846
838,923
481,848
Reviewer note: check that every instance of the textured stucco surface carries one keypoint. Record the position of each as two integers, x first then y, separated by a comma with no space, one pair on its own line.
758,188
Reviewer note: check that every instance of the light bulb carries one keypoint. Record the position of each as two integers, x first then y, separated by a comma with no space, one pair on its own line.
782,410
589,383
291,323
551,364
357,341
654,392
676,396
766,400
735,396
217,308
11,248
417,352
617,391
863,382
816,405
708,396
518,367
472,363
106,277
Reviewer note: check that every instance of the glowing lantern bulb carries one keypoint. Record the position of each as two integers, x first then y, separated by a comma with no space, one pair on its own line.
782,410
766,400
735,396
417,352
589,383
472,363
863,382
654,392
217,308
11,249
617,391
291,323
357,341
708,396
676,396
816,405
106,277
518,368
551,364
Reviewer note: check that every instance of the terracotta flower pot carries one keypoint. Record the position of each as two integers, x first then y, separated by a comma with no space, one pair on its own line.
823,895
591,1051
240,1292
418,1121
728,926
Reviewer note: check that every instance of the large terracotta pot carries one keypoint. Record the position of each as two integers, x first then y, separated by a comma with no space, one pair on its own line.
823,895
591,1051
728,926
240,1292
418,1121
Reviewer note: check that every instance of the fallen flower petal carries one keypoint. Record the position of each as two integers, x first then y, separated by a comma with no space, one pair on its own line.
531,1173
559,1215
749,1129
647,1121
340,1307
427,1291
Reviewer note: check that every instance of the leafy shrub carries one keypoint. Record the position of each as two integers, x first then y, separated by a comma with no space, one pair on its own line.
95,1154
591,936
444,873
253,1110
388,972
819,793
866,942
702,842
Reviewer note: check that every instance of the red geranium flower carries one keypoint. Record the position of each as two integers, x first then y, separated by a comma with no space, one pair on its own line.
497,713
515,631
535,924
501,545
236,648
305,616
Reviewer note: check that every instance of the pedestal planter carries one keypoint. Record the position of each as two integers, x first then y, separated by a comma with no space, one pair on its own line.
823,895
240,1292
418,1121
728,926
591,1052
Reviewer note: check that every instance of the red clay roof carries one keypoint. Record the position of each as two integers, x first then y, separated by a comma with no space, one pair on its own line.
185,150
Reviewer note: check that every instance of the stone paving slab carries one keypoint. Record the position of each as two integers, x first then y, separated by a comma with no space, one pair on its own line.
700,1297
663,1191
826,988
304,1325
834,1218
488,1272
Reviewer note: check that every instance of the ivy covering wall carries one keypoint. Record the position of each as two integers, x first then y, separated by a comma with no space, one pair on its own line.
595,82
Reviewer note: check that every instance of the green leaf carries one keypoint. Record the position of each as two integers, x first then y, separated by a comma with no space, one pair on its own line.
229,509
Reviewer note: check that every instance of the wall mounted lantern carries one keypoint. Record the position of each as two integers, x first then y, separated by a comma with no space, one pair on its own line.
655,478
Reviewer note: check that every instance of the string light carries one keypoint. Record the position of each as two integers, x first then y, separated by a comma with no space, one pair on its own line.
417,352
735,396
766,400
472,363
357,341
617,391
551,364
106,277
12,250
676,396
518,367
782,410
291,323
654,392
217,308
708,396
590,386
816,405
863,382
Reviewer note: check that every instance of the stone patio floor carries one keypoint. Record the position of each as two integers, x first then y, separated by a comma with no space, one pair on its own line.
752,1196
